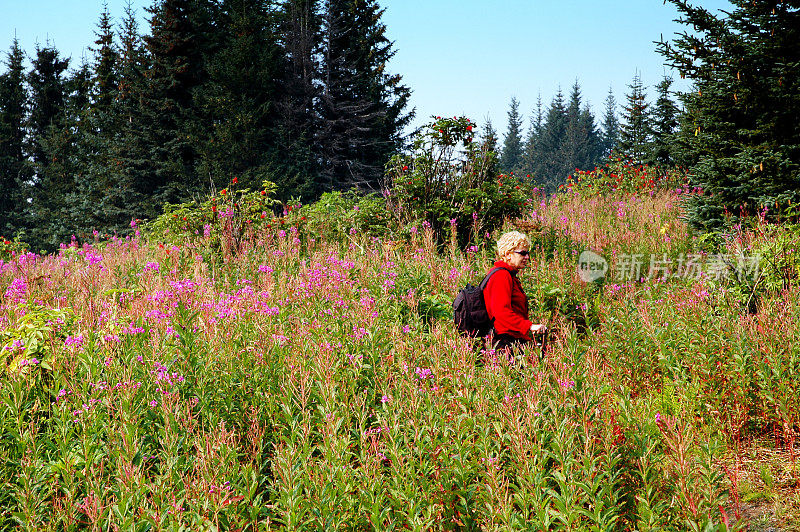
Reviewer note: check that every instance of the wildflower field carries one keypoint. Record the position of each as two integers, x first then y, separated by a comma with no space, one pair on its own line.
294,376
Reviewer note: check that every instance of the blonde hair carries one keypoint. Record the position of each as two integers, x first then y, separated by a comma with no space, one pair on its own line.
511,241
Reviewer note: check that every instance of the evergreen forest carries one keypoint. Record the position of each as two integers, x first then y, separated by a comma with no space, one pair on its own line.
296,93
299,93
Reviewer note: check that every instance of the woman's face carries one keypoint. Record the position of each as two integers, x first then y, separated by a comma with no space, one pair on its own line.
517,258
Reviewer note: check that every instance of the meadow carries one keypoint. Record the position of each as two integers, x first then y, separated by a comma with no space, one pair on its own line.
307,376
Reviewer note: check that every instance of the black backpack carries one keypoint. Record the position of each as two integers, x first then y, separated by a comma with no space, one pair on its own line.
469,308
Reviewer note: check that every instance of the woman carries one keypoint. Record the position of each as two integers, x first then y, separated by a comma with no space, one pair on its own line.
506,302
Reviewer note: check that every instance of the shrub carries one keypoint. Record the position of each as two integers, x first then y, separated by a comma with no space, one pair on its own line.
625,176
449,181
225,217
11,248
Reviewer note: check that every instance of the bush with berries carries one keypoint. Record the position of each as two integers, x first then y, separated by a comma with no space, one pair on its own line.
618,175
11,248
450,180
226,217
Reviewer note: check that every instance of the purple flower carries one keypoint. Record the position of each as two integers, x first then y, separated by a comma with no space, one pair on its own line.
76,341
92,257
17,290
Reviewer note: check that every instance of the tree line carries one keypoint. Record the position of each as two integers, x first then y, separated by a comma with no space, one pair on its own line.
295,92
298,92
566,136
735,130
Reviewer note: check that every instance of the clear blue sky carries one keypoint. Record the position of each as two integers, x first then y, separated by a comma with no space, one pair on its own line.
459,56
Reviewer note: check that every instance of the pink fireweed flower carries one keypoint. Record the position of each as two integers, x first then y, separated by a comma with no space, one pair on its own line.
93,257
132,329
76,341
423,373
280,339
17,291
16,345
566,384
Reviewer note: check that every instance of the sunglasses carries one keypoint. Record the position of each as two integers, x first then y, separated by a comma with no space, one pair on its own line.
524,253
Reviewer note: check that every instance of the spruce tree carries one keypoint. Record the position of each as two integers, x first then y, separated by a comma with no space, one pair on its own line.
132,67
488,142
126,177
665,122
582,145
98,195
591,153
610,126
239,98
553,169
46,123
106,64
47,84
740,130
70,159
299,26
489,136
635,136
14,171
573,136
174,71
531,155
362,105
61,169
511,160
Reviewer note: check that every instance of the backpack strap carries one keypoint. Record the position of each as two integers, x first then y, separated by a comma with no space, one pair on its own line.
494,270
485,281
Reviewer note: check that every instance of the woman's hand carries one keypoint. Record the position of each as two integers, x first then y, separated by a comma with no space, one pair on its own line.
538,328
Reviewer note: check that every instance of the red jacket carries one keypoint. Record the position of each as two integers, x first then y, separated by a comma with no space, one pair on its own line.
507,303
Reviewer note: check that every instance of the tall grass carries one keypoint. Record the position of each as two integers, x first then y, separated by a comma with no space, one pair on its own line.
300,383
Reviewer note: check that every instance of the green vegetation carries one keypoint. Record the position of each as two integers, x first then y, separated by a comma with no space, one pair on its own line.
311,377
279,354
